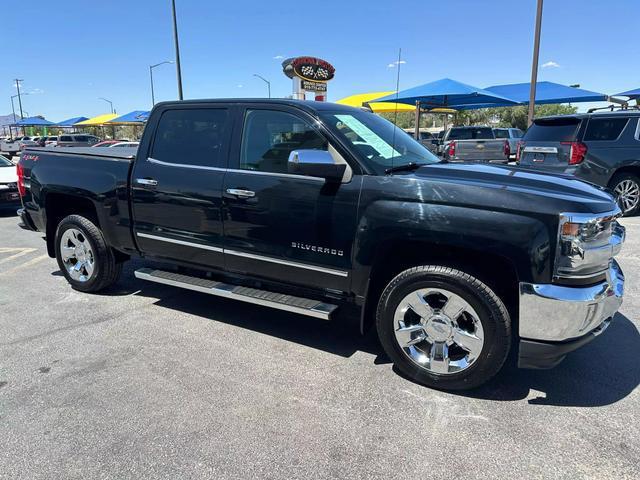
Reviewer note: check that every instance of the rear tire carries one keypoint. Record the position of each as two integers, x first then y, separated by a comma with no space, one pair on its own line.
83,256
443,328
626,188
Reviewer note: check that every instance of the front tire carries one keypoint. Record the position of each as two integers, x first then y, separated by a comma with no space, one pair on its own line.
626,188
443,328
83,256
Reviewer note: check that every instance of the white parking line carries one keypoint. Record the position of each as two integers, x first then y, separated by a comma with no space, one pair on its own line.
33,261
20,253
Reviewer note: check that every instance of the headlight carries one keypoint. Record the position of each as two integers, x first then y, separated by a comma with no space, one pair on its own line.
587,243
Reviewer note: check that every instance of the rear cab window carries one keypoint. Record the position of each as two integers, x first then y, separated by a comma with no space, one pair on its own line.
500,133
470,133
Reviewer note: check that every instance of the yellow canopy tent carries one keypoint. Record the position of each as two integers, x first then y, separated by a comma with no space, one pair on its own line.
96,121
361,98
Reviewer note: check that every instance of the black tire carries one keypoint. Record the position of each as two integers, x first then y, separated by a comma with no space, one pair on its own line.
617,180
106,269
491,312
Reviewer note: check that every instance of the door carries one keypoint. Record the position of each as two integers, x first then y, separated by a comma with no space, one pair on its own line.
280,226
177,186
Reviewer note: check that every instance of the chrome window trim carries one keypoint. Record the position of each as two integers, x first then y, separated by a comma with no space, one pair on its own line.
233,170
330,271
275,174
180,242
637,134
185,165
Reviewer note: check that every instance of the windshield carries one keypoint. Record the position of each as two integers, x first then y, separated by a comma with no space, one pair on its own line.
4,162
377,139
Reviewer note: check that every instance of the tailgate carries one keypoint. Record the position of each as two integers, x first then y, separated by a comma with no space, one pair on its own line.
547,143
480,150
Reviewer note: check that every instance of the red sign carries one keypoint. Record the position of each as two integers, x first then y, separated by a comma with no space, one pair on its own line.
309,68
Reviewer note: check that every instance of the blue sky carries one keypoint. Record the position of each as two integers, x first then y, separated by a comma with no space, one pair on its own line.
72,53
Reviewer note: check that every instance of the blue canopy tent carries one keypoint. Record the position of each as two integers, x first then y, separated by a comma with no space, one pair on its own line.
547,92
446,93
70,122
34,122
632,94
135,117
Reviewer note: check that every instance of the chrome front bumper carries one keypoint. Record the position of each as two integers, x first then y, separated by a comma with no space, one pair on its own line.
556,313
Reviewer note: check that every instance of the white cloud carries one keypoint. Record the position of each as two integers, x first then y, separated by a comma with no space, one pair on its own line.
240,85
551,64
394,64
278,57
35,91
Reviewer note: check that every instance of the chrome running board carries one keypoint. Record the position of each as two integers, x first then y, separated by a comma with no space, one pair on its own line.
289,303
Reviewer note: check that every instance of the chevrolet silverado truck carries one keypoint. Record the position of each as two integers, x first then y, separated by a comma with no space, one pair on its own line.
474,144
318,209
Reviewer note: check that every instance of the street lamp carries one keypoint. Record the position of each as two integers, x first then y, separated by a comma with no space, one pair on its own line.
177,47
151,67
18,80
265,81
534,64
109,102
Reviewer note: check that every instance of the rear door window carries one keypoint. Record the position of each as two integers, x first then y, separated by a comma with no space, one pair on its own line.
601,129
193,137
66,138
553,130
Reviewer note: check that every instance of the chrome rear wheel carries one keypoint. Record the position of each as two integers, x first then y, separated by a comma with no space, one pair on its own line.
628,193
77,255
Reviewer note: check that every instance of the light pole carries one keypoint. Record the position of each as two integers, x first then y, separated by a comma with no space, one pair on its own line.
18,80
265,81
534,64
151,67
177,47
109,102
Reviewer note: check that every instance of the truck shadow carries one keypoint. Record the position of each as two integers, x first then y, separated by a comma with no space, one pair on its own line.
601,373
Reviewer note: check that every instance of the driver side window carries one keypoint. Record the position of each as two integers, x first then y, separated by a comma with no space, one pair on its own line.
269,136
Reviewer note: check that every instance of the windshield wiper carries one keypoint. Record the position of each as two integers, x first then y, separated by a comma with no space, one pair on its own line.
407,167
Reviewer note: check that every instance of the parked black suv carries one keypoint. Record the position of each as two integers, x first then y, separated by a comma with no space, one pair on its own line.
601,148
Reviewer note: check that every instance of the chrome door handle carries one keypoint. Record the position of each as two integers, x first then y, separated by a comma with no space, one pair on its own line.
240,193
146,181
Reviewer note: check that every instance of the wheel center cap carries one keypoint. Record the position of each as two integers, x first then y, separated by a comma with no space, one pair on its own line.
438,328
81,254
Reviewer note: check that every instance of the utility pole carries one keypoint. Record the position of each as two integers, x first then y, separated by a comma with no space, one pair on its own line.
177,47
534,64
18,80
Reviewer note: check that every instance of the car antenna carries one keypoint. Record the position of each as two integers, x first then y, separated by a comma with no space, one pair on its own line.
395,117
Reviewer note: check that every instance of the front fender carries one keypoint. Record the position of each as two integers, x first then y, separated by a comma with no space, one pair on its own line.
521,239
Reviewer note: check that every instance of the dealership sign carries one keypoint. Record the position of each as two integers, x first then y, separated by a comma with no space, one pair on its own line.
311,69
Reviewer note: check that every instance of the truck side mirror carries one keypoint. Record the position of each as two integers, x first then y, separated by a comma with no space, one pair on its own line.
315,163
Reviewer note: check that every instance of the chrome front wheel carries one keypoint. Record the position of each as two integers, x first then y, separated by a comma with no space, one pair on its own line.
77,255
438,330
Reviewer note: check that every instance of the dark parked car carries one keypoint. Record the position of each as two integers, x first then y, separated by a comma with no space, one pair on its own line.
317,209
601,148
77,140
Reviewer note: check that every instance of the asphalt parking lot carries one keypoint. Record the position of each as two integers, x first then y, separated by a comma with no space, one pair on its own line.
149,381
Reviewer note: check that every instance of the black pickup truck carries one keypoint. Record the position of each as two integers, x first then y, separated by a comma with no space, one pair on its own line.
318,209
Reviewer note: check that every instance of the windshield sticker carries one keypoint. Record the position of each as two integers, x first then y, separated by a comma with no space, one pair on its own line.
369,136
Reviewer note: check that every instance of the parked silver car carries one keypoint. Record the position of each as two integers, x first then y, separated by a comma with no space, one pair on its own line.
77,140
511,135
